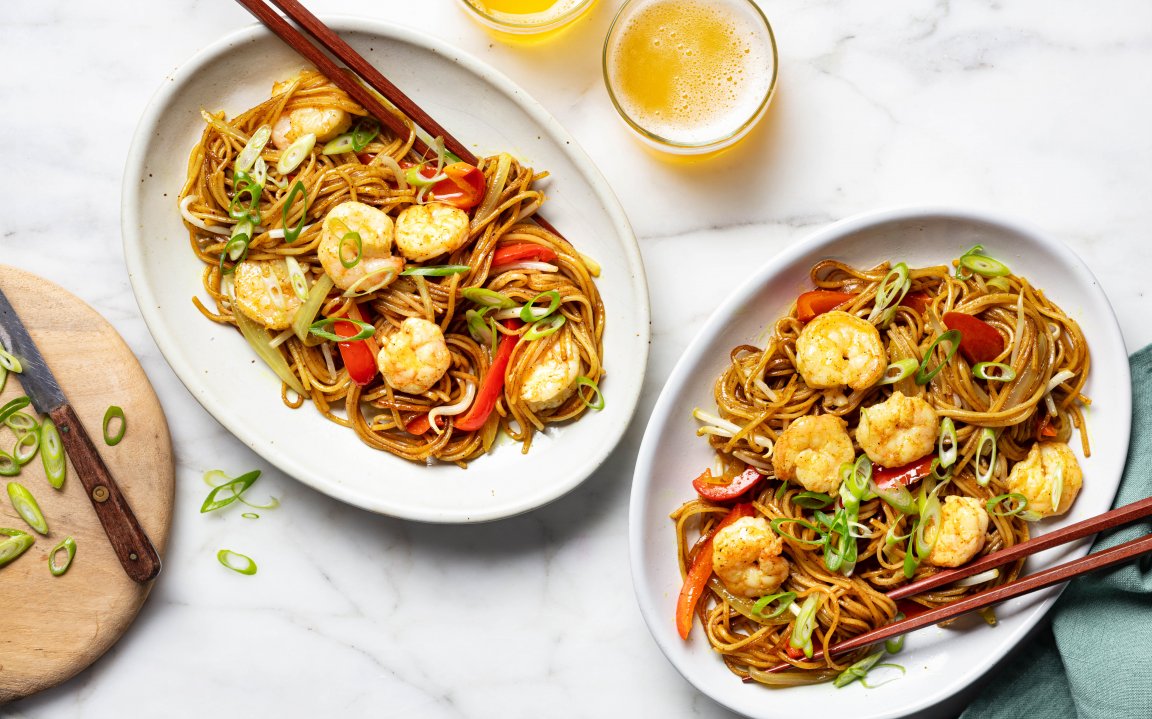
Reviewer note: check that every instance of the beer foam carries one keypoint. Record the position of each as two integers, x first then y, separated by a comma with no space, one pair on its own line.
691,72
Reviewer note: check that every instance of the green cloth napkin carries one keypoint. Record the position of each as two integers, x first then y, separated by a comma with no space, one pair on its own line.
1095,659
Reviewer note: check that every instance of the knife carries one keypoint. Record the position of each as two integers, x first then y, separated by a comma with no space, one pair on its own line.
131,544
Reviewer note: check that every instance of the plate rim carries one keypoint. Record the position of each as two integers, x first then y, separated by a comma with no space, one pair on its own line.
809,243
132,242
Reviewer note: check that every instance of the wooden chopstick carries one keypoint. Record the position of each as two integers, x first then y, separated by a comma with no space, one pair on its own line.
1101,522
372,77
1024,585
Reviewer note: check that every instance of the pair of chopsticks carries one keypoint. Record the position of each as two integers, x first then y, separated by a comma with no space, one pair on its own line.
344,78
1033,582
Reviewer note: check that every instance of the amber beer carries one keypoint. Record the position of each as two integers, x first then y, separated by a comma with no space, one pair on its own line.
527,17
690,76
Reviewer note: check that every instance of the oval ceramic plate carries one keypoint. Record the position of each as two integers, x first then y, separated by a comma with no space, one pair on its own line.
939,662
487,112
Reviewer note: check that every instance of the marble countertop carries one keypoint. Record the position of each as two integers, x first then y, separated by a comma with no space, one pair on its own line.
1033,109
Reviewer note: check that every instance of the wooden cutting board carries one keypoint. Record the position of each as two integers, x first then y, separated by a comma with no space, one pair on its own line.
51,628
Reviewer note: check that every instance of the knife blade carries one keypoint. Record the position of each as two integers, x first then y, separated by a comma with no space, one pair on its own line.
128,539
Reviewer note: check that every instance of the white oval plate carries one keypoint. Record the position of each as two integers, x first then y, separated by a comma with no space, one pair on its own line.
489,113
939,662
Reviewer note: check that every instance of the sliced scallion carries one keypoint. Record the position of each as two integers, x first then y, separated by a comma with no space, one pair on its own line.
112,414
531,313
25,448
295,153
9,362
365,131
25,505
812,500
247,157
297,278
52,453
859,670
320,329
923,374
13,407
488,298
946,445
20,422
292,233
9,465
68,546
17,543
261,342
236,250
478,326
250,515
350,240
306,313
899,370
981,264
984,472
544,327
225,494
781,521
895,644
436,270
240,208
802,630
598,402
339,145
891,290
995,371
784,598
237,562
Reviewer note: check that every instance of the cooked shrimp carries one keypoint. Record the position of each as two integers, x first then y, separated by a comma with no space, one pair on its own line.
324,123
837,349
898,430
264,293
960,531
1049,477
811,451
375,267
431,230
415,357
746,557
552,379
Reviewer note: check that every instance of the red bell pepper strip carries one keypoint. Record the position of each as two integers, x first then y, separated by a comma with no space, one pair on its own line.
817,302
917,301
463,188
521,252
1045,430
360,355
492,384
794,652
979,341
723,492
904,475
701,570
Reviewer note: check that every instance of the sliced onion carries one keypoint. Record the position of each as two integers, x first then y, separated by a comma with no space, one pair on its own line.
978,578
535,266
450,410
194,220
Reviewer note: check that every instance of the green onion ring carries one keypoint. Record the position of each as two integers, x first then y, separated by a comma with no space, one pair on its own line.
437,270
544,327
114,412
3,374
488,298
859,670
236,250
864,683
20,422
292,233
983,476
9,465
318,328
364,132
899,370
238,209
13,406
911,560
273,503
350,238
528,312
228,558
996,371
781,521
237,487
802,630
1009,509
339,145
25,505
252,149
31,440
598,403
16,544
295,153
923,375
781,491
67,545
9,362
891,290
250,515
983,265
1000,283
52,453
216,477
297,278
859,476
812,500
946,445
786,598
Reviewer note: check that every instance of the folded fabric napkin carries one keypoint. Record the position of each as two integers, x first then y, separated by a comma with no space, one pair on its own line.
1095,658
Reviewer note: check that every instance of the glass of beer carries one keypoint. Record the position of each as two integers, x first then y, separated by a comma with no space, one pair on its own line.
690,76
524,18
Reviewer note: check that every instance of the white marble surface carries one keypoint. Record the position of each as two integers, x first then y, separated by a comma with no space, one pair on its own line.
1036,109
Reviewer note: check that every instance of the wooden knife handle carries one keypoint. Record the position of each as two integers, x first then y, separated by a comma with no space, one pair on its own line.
128,539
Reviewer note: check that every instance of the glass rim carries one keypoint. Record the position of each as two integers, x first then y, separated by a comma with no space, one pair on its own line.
502,22
716,143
